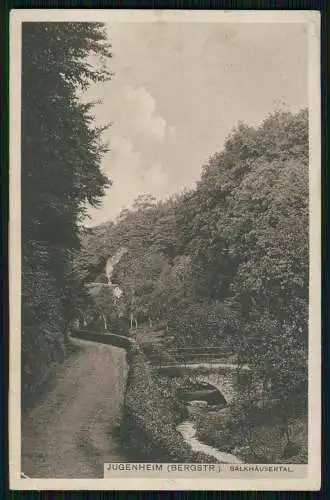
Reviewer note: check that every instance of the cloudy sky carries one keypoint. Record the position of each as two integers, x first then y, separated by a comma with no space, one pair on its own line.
177,91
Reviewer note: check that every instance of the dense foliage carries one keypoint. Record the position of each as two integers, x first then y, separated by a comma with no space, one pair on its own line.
61,175
226,263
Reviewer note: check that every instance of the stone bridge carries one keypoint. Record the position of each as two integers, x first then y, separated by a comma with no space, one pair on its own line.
224,381
221,375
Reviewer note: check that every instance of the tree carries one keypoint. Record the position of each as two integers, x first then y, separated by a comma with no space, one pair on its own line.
246,227
61,175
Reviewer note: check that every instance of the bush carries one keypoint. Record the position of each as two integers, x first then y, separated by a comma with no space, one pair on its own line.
42,351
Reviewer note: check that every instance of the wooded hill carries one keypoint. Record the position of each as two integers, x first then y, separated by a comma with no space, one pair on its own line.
226,263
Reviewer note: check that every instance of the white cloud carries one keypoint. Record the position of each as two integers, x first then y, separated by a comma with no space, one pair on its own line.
122,154
131,175
133,162
137,112
157,177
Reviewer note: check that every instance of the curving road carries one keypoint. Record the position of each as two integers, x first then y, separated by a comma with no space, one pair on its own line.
70,433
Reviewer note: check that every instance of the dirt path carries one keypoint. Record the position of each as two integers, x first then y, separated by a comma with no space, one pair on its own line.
68,435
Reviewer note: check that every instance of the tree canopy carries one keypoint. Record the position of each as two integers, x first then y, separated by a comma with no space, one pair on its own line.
61,175
226,263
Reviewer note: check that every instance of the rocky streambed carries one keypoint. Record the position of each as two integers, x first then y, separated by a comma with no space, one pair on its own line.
188,431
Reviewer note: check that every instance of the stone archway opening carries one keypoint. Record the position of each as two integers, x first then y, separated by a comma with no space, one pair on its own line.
201,390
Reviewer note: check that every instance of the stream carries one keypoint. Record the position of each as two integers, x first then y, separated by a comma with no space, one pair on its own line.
188,431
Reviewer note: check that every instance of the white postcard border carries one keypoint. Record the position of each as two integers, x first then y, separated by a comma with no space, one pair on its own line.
313,479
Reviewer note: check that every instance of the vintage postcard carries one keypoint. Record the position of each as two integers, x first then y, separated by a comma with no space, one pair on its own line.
165,250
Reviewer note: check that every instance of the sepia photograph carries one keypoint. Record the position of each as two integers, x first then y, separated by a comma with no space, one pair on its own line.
165,250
